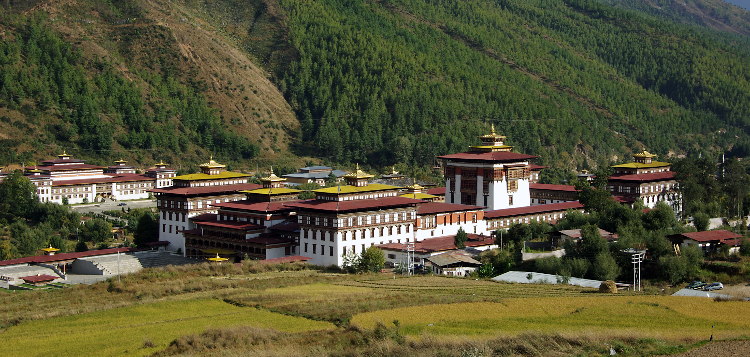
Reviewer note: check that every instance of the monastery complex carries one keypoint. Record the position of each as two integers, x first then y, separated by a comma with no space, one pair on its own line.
217,212
486,188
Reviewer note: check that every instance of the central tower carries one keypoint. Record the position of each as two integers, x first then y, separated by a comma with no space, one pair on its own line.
488,175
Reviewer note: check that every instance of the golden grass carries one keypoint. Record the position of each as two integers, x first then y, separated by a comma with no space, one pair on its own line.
140,329
339,300
674,318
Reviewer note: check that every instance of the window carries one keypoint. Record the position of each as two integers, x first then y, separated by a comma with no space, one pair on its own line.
314,248
344,249
305,247
391,256
163,227
330,250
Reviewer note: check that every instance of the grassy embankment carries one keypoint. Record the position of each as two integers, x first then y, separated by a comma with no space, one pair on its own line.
184,305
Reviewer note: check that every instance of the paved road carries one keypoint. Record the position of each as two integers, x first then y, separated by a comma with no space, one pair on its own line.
113,205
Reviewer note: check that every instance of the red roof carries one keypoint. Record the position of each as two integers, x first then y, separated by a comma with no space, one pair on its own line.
230,224
437,191
286,227
264,207
353,205
42,278
289,259
733,242
64,256
521,211
440,244
656,176
204,190
117,178
708,236
549,187
441,207
495,156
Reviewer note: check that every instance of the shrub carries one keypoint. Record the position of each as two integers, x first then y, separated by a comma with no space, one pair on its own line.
549,265
701,221
605,267
745,247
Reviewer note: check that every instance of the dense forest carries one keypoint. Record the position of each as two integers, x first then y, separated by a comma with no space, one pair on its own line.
47,79
404,80
581,83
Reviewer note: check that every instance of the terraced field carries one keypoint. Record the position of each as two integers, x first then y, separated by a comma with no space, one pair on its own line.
339,301
674,318
140,329
244,310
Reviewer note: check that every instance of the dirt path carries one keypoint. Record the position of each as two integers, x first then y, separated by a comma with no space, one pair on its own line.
720,349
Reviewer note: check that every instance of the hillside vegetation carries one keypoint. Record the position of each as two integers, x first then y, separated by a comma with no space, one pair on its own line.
578,82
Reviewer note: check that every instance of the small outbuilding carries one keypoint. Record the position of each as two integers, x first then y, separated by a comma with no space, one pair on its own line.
453,264
709,241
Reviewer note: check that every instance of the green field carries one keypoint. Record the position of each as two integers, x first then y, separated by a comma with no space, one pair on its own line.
674,318
140,329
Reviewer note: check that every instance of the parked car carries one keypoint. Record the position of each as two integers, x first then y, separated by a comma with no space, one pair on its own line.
696,285
122,204
713,286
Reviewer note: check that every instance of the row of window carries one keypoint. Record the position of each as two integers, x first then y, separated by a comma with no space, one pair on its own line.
357,234
504,223
357,220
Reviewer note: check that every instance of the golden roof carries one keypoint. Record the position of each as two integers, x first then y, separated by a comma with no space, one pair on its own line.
272,178
217,258
121,161
354,189
211,164
50,249
638,165
644,154
161,163
358,174
418,196
65,153
202,176
492,134
272,191
415,186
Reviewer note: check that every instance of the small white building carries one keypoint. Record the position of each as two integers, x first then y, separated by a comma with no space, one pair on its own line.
453,264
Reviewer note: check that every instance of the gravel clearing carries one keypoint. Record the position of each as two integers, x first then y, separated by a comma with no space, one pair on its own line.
720,349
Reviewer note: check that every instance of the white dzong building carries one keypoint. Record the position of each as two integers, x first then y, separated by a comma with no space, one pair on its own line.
488,175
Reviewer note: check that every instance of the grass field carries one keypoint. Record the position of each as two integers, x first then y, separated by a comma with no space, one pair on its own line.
338,301
256,310
140,329
674,318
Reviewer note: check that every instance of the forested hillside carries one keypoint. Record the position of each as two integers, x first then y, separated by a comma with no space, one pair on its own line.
578,82
143,80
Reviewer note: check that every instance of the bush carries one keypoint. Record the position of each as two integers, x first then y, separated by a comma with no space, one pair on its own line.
701,221
577,267
605,267
549,265
745,247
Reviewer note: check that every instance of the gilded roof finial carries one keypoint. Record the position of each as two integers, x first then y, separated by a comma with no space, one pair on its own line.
492,128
